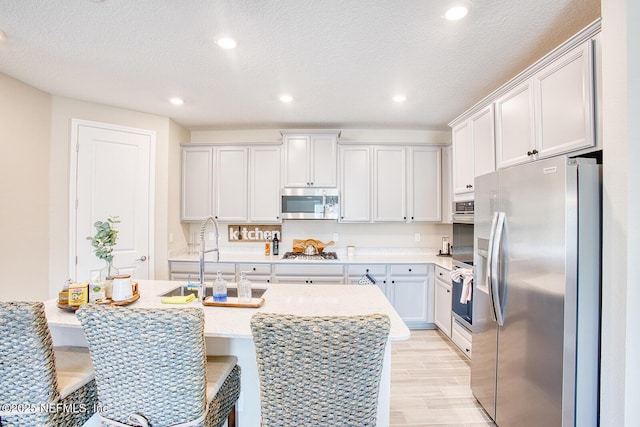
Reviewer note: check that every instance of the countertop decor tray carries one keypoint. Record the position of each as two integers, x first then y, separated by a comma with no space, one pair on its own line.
233,302
104,301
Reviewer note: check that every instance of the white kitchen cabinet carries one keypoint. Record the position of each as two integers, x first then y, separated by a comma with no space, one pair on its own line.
515,138
447,184
231,184
425,185
257,273
185,270
316,273
310,160
389,184
564,103
442,303
264,184
376,272
355,183
462,147
473,151
550,113
197,183
410,290
462,338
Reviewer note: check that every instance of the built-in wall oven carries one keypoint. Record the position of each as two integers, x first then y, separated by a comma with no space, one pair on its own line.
462,257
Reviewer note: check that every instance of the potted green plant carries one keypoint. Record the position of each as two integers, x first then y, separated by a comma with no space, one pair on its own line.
103,243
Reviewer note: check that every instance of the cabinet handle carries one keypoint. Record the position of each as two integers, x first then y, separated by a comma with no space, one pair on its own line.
269,281
533,152
367,270
254,269
411,217
409,270
405,217
448,291
393,281
467,350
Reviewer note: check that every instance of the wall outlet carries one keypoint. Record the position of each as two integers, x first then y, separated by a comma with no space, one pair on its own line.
417,237
335,237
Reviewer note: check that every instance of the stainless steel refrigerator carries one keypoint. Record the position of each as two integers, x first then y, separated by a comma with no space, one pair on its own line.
536,302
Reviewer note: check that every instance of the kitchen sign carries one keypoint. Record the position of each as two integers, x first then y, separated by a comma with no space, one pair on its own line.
254,232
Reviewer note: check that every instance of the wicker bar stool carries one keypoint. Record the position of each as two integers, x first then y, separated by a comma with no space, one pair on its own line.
41,385
319,371
152,369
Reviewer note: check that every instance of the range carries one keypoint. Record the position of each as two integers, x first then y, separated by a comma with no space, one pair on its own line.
304,257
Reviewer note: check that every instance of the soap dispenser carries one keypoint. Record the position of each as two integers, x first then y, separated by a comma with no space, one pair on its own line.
220,289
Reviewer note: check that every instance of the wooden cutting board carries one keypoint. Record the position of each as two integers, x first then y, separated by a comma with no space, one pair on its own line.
299,244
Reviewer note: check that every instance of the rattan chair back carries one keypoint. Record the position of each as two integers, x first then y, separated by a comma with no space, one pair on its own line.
319,371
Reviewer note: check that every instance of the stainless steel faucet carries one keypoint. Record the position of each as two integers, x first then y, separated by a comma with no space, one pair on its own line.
203,251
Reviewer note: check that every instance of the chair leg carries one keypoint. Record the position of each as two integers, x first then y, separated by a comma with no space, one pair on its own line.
231,419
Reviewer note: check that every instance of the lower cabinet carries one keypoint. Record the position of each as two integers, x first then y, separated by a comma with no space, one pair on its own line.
256,273
461,337
410,290
355,272
442,304
319,274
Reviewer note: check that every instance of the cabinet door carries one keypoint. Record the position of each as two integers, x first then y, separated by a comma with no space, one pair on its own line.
231,172
514,126
296,161
355,184
410,297
564,103
462,162
197,183
425,184
264,184
324,161
442,306
482,138
447,184
390,185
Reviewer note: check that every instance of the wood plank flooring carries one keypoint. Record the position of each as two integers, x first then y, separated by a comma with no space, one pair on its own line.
430,384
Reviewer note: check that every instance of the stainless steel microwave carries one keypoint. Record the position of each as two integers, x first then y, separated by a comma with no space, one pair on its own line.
310,203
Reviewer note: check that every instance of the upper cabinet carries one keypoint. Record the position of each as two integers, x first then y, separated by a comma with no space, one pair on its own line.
550,113
197,183
231,183
473,151
425,184
389,184
310,160
355,183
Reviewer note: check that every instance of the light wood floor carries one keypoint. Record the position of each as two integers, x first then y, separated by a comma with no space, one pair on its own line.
430,384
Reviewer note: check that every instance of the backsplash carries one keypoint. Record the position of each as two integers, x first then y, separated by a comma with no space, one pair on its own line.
365,237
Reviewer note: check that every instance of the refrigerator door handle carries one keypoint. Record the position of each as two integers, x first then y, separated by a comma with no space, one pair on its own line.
495,256
489,269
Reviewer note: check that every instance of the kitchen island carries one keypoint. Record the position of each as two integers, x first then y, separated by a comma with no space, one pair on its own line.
227,330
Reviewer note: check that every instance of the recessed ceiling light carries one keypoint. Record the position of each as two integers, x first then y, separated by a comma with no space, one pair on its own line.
226,43
3,35
457,10
286,98
176,101
399,98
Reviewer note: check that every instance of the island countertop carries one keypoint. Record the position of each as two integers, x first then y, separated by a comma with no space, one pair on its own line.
227,322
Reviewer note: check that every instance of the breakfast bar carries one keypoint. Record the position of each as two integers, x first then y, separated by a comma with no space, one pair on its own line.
227,329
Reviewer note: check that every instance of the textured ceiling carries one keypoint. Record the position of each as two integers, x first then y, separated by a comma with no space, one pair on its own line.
341,60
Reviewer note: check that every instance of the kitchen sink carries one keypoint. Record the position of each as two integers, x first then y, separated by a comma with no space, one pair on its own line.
231,292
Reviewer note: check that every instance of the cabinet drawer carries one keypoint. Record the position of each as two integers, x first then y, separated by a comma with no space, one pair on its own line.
409,270
264,269
209,267
373,270
258,278
462,338
443,274
309,270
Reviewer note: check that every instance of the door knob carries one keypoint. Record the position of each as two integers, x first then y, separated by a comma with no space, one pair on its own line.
142,258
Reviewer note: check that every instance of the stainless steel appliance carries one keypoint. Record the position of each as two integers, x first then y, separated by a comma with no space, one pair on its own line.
463,212
536,293
306,257
310,203
462,312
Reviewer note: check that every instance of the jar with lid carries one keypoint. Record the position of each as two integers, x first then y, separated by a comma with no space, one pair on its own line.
244,288
220,288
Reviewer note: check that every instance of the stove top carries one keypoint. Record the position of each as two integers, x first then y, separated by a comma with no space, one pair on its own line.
303,257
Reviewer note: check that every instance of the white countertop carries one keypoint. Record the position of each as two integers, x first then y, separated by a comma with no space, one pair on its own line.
226,322
379,257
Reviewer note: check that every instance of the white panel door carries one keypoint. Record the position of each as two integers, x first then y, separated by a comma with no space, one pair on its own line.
112,175
264,185
231,184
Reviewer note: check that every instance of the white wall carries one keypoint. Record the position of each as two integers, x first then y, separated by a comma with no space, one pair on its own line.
620,384
25,124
